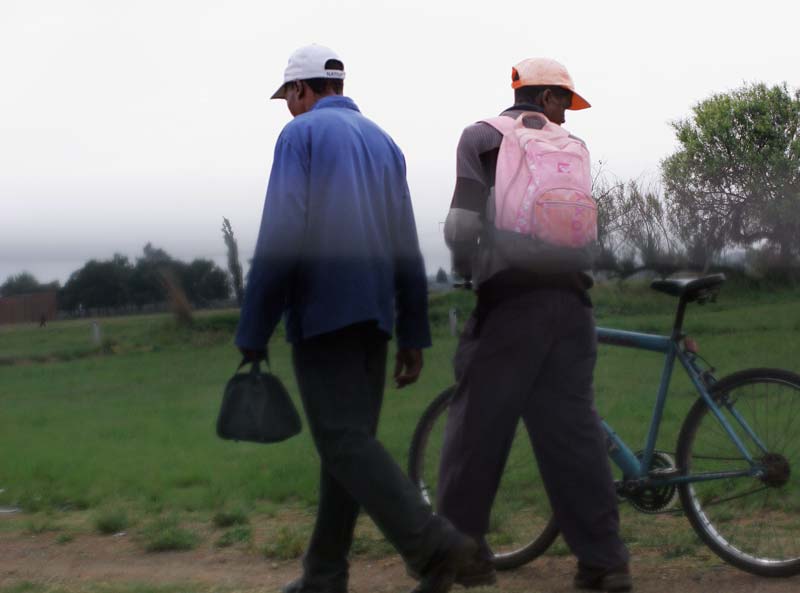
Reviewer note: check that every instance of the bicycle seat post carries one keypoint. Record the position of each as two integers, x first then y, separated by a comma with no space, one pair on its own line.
677,326
688,290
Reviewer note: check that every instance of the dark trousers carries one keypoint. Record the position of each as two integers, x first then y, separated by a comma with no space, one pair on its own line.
532,358
341,379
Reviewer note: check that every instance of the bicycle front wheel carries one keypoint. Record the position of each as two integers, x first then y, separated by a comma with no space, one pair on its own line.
752,522
521,527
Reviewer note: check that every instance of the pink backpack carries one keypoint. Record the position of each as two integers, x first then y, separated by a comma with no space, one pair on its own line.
543,183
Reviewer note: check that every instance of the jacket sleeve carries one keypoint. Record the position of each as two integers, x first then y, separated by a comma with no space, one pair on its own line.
411,284
279,246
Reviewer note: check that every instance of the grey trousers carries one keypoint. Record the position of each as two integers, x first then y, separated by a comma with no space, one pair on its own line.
341,379
532,358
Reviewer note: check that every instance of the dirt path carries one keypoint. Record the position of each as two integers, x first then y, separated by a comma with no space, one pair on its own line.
92,559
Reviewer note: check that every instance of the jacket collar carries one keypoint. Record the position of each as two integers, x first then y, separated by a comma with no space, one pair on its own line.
335,101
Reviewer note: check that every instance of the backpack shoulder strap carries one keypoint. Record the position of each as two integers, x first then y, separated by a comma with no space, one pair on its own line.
506,125
501,123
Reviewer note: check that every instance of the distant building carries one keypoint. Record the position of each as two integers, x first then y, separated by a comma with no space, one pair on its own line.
28,308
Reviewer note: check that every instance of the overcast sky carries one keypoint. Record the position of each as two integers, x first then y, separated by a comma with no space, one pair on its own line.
128,122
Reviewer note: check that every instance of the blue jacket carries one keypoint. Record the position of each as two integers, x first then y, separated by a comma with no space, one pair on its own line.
337,244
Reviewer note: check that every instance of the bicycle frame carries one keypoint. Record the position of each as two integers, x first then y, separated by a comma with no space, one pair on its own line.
635,468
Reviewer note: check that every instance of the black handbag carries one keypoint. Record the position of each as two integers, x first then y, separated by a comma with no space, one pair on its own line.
256,407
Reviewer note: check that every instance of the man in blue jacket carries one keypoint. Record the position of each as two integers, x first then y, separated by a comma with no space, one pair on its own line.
338,253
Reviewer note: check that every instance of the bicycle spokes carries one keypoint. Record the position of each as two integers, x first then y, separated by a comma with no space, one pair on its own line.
751,520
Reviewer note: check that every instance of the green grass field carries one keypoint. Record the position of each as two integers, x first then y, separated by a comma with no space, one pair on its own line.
124,430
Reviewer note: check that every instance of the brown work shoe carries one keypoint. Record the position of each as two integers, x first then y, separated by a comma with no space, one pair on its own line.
440,574
611,580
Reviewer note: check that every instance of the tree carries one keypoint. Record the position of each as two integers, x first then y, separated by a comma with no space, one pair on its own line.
234,267
24,283
608,193
203,281
632,226
147,281
735,180
177,299
644,225
99,284
441,276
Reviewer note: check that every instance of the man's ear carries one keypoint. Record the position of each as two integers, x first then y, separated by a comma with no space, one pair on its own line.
301,88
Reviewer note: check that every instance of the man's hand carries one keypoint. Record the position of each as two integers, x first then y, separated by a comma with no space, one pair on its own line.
251,355
408,366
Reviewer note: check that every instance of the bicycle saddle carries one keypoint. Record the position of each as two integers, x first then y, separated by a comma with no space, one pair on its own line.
690,289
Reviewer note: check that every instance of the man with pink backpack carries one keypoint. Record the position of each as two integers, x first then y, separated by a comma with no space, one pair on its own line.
522,226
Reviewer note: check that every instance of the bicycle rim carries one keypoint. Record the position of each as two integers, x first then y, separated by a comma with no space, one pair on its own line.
751,522
521,526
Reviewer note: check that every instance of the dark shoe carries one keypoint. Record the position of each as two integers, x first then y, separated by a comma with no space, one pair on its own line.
603,579
478,573
300,585
441,572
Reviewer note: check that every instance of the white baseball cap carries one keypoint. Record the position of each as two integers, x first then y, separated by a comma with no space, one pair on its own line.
308,62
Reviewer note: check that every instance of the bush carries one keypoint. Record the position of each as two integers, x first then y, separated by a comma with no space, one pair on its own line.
165,534
237,535
37,526
287,545
65,538
111,521
229,518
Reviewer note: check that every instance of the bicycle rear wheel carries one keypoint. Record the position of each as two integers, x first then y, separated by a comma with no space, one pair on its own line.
751,522
521,525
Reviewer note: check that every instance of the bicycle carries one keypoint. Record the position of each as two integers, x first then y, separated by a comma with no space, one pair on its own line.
736,469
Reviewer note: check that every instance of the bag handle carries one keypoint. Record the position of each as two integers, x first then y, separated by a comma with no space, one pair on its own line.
256,368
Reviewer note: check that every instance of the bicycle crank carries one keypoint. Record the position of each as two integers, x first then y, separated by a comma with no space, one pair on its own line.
644,496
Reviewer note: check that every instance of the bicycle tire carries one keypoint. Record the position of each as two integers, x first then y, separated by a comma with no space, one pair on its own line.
750,521
422,457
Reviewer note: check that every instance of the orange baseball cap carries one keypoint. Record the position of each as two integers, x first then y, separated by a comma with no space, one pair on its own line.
546,72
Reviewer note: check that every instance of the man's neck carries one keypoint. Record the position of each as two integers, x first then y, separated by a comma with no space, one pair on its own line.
318,98
525,107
